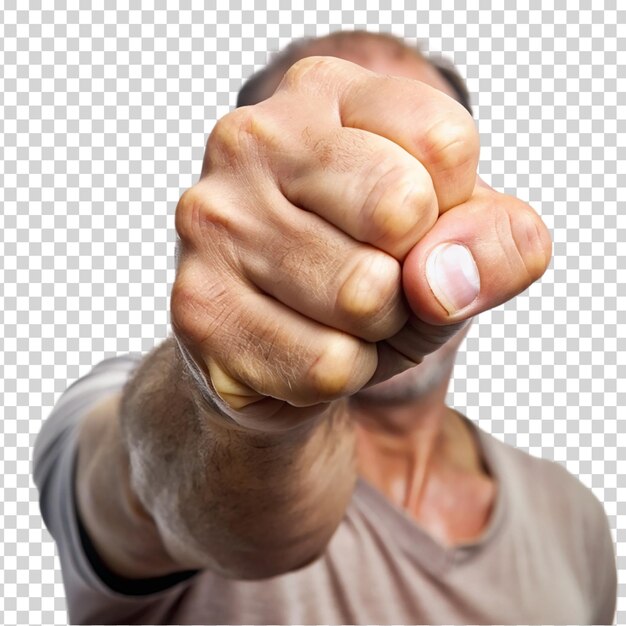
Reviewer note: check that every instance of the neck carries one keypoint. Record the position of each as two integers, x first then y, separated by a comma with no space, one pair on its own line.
399,447
412,419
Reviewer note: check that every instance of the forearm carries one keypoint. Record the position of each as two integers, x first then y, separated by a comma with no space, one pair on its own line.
212,495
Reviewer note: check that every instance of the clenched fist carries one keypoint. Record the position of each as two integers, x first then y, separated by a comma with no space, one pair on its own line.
339,233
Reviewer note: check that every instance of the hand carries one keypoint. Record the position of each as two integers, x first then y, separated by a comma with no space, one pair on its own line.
339,233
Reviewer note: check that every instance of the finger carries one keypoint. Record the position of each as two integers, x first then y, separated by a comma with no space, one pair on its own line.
367,186
477,256
409,346
257,345
325,275
417,338
298,258
431,126
250,409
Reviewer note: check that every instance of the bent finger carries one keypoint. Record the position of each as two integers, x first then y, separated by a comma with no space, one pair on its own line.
477,256
364,184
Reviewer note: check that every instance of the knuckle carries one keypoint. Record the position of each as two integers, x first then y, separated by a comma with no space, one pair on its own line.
451,143
421,202
185,309
532,240
422,195
188,213
224,138
369,300
342,366
199,211
381,212
237,136
199,303
397,207
313,70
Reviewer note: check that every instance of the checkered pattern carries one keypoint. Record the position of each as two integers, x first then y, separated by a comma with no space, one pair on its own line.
104,115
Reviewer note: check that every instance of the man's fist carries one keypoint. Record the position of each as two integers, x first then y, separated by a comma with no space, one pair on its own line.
339,233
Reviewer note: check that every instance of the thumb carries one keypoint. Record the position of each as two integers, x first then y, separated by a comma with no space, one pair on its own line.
477,255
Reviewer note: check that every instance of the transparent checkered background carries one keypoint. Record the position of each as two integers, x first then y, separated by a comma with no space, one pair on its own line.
104,115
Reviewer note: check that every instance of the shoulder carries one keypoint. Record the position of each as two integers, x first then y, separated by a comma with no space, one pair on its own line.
543,495
104,379
551,503
544,479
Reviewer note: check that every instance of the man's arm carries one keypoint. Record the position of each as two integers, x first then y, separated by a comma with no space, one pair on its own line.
337,235
245,504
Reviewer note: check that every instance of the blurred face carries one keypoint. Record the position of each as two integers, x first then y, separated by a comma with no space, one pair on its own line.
378,56
375,55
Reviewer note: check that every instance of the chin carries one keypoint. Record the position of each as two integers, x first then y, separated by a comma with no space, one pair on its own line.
410,385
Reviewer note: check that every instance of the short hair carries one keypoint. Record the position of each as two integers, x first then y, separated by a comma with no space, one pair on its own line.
252,90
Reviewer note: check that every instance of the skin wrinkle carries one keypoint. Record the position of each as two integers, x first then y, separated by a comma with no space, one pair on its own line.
531,235
379,192
316,280
358,282
368,227
197,309
504,230
203,224
433,150
253,374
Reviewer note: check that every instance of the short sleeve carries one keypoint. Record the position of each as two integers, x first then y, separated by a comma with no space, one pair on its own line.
56,439
604,568
89,598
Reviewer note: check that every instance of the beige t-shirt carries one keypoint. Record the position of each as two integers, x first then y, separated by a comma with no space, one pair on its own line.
546,556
